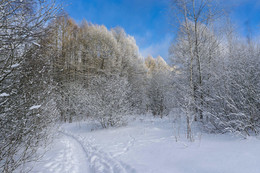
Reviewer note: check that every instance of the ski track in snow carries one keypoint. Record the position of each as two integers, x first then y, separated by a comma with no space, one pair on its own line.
100,161
127,147
64,161
67,161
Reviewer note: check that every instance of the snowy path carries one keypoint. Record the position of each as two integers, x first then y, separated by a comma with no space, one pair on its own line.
75,154
66,156
100,162
71,159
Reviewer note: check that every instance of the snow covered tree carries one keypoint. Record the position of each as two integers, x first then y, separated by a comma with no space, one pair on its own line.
195,53
233,103
108,100
130,65
159,88
24,86
217,79
195,19
83,52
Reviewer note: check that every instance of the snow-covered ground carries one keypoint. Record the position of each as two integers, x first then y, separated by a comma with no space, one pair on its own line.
147,145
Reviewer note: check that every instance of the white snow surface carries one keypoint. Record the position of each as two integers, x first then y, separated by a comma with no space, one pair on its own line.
147,145
34,107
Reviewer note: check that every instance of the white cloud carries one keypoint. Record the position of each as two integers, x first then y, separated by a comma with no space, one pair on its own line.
160,48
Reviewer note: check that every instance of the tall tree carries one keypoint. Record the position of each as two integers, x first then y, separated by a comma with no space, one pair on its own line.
195,18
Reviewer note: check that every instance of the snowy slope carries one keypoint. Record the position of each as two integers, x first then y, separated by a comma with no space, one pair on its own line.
147,145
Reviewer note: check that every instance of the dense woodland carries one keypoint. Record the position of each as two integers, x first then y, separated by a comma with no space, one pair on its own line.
55,70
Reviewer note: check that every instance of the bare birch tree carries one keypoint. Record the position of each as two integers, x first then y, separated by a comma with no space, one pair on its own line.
192,51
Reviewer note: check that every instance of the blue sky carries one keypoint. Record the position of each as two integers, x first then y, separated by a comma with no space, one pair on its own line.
246,14
149,21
